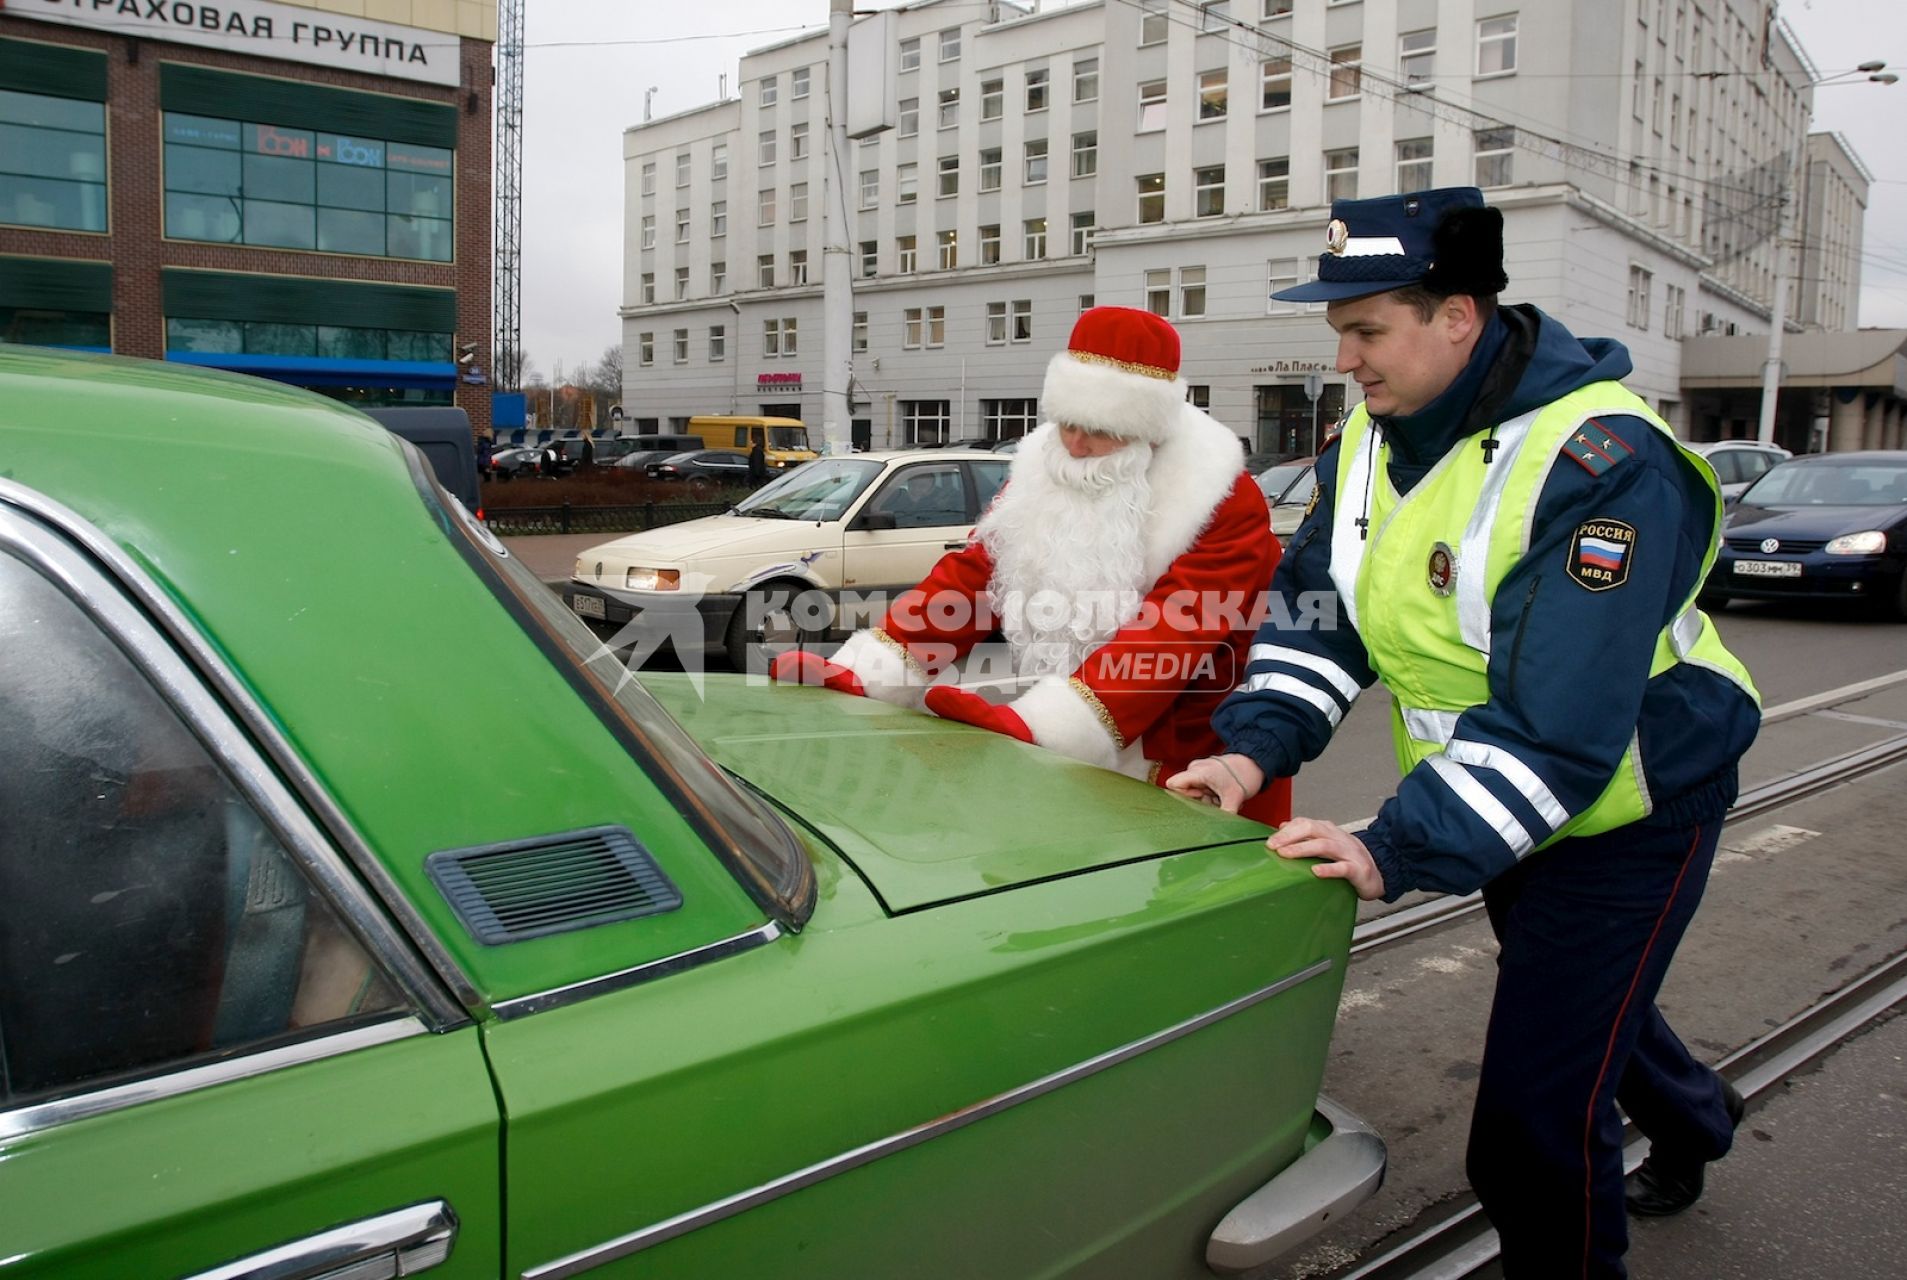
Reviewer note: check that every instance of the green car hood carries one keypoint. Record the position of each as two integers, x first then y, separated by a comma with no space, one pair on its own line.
929,811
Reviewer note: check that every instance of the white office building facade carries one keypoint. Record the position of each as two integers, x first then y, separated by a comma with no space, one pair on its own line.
1182,157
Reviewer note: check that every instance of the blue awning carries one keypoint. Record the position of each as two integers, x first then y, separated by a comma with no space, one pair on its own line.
322,371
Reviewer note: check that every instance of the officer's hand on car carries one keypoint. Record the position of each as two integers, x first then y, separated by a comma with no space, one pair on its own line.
1344,855
1225,780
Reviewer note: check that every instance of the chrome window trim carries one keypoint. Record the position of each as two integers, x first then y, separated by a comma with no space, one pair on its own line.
410,1241
522,1006
47,1115
681,1224
289,804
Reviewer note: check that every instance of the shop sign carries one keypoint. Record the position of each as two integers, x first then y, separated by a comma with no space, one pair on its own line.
1295,367
265,29
780,381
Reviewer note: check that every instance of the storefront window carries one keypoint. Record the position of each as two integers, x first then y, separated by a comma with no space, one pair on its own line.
331,342
234,182
42,327
52,162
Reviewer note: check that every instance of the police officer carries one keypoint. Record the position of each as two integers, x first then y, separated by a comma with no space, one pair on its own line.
1514,542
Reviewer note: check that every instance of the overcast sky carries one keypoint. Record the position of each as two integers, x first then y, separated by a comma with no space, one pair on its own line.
590,62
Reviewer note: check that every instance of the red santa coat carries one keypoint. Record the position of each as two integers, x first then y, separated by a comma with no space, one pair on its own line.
1141,702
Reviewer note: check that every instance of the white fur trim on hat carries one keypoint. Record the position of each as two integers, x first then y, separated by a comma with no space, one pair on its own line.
882,671
1106,398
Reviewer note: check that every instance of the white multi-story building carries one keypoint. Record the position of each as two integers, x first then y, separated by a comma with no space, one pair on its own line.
1182,157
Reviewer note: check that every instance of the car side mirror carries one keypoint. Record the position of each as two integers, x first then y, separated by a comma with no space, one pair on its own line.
877,522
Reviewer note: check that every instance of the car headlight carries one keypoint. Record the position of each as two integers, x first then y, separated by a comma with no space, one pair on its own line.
652,579
1871,542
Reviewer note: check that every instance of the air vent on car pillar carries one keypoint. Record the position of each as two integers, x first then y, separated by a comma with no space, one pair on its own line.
551,884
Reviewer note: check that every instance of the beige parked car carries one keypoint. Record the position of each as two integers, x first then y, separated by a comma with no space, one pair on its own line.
780,566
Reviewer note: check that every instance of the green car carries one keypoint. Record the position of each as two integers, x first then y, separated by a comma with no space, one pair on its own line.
360,916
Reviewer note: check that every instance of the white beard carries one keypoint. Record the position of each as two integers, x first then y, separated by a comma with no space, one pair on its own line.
1067,540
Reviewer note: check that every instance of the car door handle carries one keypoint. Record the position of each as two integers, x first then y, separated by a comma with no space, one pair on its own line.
954,546
400,1243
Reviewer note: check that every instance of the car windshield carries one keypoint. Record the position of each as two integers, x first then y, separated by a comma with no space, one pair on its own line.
1842,484
788,437
819,490
1273,481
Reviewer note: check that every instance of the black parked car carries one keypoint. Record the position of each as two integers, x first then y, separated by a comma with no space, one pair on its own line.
1828,526
721,465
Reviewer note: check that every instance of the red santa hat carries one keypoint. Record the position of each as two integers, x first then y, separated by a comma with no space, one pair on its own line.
1118,375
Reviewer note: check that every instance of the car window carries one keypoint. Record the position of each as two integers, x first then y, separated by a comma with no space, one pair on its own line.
1753,464
1274,480
788,437
820,490
148,916
1728,466
987,479
923,496
1798,484
1298,493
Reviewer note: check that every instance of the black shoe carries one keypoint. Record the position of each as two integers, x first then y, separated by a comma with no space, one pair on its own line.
1665,1185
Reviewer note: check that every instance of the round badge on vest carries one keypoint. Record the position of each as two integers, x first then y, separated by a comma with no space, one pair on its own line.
1443,569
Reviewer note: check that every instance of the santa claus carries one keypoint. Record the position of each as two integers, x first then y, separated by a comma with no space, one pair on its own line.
1122,563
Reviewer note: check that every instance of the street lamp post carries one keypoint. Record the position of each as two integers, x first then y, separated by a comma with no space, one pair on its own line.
1786,238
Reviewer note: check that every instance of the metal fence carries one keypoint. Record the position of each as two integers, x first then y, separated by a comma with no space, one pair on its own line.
513,521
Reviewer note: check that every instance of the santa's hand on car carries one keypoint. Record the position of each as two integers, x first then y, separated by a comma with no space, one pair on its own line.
950,703
799,666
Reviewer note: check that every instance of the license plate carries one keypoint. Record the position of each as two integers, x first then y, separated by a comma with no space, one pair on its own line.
587,606
1768,568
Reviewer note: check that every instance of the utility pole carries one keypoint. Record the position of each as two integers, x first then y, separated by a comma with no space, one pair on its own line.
837,286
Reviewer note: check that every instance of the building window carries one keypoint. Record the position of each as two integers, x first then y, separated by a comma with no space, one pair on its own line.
798,83
681,346
990,169
1082,232
1340,175
1208,191
908,122
1214,15
797,266
718,277
1022,321
648,287
1495,149
1640,284
648,171
949,175
765,210
798,141
765,147
648,229
910,54
1274,81
992,99
1274,184
682,169
1034,243
1086,154
1212,94
1417,58
238,183
870,188
904,255
949,108
1281,274
857,341
1151,106
1008,419
788,345
1347,72
1086,80
926,421
947,244
771,339
718,218
1158,286
1275,9
989,244
1151,197
645,349
718,162
950,44
936,326
870,258
1191,291
1496,46
1413,164
765,271
1085,303
1036,86
770,90
798,202
681,283
681,226
996,324
718,343
1154,23
1673,299
910,329
1035,161
906,183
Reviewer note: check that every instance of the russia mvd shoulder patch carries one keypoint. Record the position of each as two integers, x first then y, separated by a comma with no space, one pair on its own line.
1599,554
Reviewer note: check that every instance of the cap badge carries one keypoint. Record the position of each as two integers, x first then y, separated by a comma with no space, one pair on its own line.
1442,573
1337,236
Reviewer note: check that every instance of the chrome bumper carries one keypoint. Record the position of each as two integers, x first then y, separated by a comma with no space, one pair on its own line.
1341,1167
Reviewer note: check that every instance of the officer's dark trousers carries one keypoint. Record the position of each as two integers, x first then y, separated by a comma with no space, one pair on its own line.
1587,929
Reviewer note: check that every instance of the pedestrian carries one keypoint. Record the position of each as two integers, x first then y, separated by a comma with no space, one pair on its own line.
1125,557
486,450
757,463
588,452
1514,543
549,458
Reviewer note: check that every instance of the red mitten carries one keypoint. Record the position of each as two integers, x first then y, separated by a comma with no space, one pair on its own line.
798,666
950,703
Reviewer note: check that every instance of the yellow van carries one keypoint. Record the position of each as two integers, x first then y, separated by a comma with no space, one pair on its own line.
784,440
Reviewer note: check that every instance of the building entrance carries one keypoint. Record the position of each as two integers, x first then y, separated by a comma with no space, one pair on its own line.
1285,418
